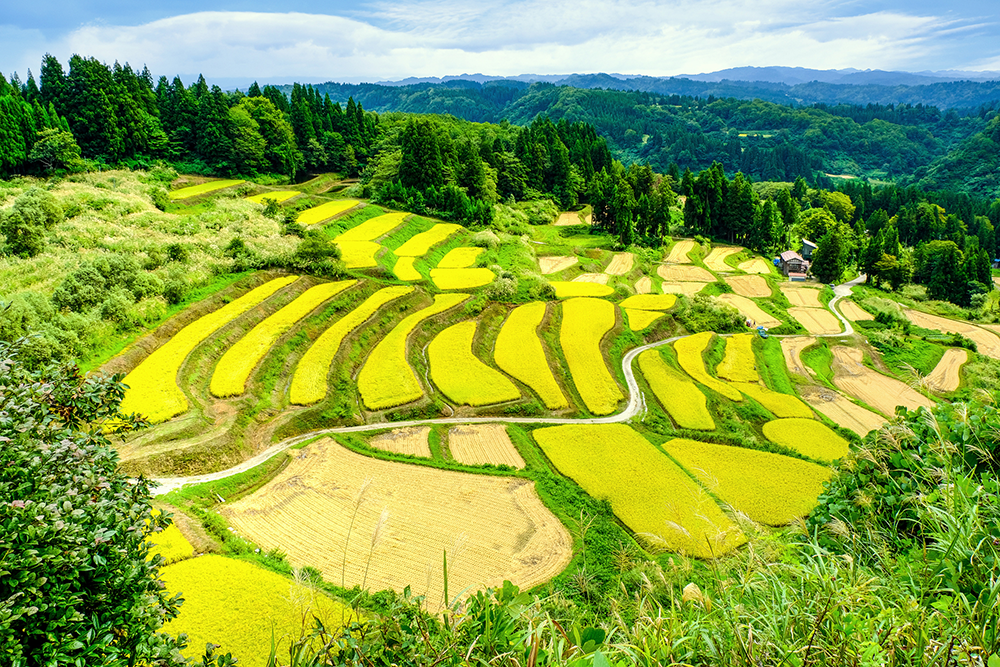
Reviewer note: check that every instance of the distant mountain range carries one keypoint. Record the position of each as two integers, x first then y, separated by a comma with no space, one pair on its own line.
789,76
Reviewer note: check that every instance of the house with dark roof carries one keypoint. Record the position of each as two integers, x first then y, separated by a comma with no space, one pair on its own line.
793,265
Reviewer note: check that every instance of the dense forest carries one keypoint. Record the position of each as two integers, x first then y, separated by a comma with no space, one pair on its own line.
764,139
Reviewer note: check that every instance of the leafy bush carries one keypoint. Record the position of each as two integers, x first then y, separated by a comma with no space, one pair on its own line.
702,313
94,281
24,224
77,581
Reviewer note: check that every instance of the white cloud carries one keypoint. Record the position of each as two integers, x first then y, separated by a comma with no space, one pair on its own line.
434,38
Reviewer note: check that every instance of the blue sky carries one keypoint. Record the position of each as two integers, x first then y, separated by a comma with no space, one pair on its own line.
370,41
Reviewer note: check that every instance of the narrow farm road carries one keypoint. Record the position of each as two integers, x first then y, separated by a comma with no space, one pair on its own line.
635,406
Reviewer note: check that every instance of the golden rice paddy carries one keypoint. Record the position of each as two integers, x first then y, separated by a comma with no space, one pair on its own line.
326,211
519,353
460,375
585,322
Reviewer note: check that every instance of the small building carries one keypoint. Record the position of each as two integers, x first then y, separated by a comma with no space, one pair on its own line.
807,249
792,262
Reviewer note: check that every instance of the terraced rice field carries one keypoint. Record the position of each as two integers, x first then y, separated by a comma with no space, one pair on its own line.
853,312
492,528
791,349
757,265
483,444
647,491
238,604
753,287
687,289
461,278
769,488
309,383
170,544
620,264
679,252
599,278
585,322
568,219
684,274
460,375
750,310
387,379
716,260
318,214
278,196
805,297
689,355
233,370
152,385
680,397
420,244
640,319
555,263
987,342
780,405
644,285
358,254
738,364
412,441
404,269
568,290
650,302
807,437
460,258
881,392
947,375
371,229
816,320
842,412
204,188
519,353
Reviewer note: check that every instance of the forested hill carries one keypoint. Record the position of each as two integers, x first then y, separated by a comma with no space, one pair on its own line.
765,140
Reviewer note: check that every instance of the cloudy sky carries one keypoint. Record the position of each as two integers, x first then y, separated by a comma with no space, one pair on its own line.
370,41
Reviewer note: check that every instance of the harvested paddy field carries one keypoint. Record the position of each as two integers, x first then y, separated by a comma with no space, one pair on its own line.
816,320
750,310
687,289
840,410
569,219
881,392
483,444
791,349
679,252
598,278
555,264
404,518
621,263
716,260
413,441
675,273
644,285
756,265
947,375
749,286
804,297
987,342
853,312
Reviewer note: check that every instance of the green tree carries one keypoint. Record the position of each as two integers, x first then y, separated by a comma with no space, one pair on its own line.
56,149
79,586
831,255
